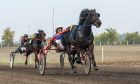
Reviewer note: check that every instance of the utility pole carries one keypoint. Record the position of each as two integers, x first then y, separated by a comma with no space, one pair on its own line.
53,20
29,27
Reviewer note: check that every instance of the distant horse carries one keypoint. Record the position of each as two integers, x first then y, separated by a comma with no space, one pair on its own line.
81,37
35,46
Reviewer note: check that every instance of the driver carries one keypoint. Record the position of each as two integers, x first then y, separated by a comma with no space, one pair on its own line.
24,41
58,38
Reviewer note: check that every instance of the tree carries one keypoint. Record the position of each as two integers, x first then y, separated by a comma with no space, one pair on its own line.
7,36
112,35
132,37
101,38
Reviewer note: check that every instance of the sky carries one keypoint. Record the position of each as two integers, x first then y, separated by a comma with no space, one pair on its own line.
27,16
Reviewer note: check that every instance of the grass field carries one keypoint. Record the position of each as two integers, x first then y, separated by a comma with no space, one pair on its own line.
112,54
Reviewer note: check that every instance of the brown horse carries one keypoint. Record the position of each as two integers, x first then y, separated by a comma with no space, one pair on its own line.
35,46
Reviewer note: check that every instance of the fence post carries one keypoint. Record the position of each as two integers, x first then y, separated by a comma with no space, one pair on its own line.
8,45
114,43
1,44
102,54
108,43
127,42
14,44
100,43
120,42
133,42
94,42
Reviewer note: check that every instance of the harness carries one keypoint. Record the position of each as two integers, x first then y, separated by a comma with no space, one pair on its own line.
74,29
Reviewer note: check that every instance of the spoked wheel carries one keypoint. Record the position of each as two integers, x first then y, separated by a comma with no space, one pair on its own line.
12,56
87,63
62,56
42,63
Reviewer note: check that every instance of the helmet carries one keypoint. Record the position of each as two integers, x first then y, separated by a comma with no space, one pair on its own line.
58,29
40,31
25,35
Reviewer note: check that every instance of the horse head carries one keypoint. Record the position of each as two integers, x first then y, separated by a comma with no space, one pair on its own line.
90,17
41,35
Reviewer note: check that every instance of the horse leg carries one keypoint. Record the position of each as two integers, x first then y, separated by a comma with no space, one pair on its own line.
72,64
94,62
26,60
73,58
93,57
78,61
27,54
70,59
36,59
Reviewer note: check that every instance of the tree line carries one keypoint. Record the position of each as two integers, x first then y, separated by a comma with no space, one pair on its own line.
109,37
112,37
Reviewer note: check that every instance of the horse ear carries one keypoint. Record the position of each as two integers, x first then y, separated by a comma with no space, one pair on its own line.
93,11
98,14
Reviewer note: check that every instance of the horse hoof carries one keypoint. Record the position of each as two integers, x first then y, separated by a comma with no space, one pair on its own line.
26,63
35,66
95,68
78,61
74,71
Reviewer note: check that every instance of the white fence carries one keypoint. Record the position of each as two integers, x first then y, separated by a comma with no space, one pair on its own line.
102,54
12,45
116,43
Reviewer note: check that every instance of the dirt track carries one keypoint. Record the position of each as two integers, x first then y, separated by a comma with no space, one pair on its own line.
107,74
121,66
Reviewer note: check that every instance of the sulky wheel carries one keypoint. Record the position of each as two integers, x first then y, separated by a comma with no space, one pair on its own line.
62,60
42,63
87,63
12,56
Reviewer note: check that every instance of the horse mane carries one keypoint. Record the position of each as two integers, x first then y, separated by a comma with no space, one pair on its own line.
37,36
84,13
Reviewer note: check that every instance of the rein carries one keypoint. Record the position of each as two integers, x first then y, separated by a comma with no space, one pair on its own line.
84,25
37,39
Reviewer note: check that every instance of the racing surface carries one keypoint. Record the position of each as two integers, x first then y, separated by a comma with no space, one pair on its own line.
121,65
107,74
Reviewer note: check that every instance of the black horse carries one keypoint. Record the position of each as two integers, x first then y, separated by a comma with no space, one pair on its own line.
37,43
81,37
